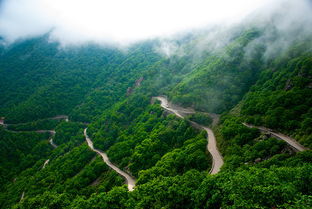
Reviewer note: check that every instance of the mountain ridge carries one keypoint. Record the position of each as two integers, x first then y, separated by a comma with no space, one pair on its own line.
239,79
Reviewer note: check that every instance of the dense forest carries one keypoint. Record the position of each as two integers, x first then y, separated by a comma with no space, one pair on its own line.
110,92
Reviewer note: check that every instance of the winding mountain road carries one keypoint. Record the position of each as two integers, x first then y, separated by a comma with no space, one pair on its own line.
291,141
52,143
45,163
130,180
217,160
52,132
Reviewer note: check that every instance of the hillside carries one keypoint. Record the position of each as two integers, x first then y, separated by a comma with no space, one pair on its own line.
110,92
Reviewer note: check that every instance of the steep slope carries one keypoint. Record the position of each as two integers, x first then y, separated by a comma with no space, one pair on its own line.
39,80
220,81
217,160
281,99
112,91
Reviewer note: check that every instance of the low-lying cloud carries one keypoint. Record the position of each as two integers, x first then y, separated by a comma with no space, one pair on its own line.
119,21
280,24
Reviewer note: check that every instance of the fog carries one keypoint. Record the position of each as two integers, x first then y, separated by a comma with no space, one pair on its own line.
116,21
280,23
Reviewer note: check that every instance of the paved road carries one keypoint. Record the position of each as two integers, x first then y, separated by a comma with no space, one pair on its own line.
52,132
130,180
291,141
217,160
52,143
57,117
45,163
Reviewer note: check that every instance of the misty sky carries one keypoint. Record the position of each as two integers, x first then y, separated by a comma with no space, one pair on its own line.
76,21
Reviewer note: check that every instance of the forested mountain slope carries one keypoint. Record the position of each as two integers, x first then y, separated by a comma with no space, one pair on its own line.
40,80
282,97
110,91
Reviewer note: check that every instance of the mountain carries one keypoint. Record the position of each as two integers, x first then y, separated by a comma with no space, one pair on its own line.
233,78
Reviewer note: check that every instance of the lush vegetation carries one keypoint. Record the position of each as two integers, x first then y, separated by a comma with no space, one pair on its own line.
43,124
80,82
284,102
220,81
110,92
201,118
19,151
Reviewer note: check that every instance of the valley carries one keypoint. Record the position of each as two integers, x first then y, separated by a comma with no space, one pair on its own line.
215,117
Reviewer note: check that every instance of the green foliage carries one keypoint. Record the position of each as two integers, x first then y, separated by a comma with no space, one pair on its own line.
168,157
283,102
220,81
71,174
136,135
19,151
45,124
69,132
251,188
242,146
190,156
201,118
39,80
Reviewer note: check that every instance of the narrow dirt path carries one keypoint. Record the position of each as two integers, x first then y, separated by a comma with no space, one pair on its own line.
130,180
217,160
291,141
